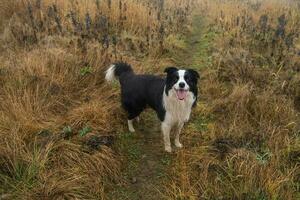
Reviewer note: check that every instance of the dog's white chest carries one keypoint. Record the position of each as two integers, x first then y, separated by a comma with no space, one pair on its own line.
177,111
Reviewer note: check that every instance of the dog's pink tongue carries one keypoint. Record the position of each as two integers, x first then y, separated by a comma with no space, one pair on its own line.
181,94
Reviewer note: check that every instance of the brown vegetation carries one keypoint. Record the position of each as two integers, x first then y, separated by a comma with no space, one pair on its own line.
250,146
58,118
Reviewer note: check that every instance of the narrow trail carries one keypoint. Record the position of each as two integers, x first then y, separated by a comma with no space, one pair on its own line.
195,54
146,162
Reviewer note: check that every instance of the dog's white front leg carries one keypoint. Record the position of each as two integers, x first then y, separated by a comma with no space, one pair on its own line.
178,131
166,128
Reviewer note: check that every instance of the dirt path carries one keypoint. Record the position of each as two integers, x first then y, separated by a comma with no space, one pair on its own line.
146,163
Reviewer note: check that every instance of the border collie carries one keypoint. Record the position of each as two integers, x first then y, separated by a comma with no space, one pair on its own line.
172,97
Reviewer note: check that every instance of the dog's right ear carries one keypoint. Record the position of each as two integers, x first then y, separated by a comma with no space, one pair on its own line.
170,70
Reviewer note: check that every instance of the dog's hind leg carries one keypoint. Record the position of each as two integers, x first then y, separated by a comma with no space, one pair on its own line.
130,126
166,128
138,119
131,116
133,112
177,134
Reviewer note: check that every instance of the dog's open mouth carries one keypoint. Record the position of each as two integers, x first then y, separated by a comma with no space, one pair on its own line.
181,94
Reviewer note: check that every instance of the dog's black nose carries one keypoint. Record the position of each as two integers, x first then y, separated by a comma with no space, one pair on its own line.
181,84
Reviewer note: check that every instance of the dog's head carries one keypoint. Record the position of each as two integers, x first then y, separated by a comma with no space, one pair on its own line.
181,81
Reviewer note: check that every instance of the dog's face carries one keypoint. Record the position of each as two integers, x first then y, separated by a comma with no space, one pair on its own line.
181,81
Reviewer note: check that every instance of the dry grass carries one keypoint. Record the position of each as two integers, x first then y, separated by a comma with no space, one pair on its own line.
58,118
138,26
247,125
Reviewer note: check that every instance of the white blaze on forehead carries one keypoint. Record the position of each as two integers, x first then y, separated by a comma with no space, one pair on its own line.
181,79
181,75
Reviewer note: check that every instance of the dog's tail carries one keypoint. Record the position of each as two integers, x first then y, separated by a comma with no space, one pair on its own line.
116,70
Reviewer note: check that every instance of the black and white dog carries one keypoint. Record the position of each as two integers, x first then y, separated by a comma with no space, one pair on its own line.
172,98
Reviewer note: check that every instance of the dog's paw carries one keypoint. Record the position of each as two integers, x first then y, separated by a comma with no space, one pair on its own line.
178,145
168,149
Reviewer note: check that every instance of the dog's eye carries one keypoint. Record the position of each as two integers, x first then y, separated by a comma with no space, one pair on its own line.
176,78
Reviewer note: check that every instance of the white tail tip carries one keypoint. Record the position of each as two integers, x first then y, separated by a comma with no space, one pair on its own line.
110,74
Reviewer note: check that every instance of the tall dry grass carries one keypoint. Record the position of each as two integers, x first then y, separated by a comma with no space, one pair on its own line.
244,141
58,118
136,26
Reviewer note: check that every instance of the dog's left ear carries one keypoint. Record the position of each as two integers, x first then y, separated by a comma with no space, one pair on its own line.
170,70
194,73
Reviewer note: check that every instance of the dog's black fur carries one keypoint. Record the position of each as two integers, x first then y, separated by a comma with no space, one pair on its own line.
140,91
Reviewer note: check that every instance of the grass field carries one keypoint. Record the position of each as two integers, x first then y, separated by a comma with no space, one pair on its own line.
63,133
